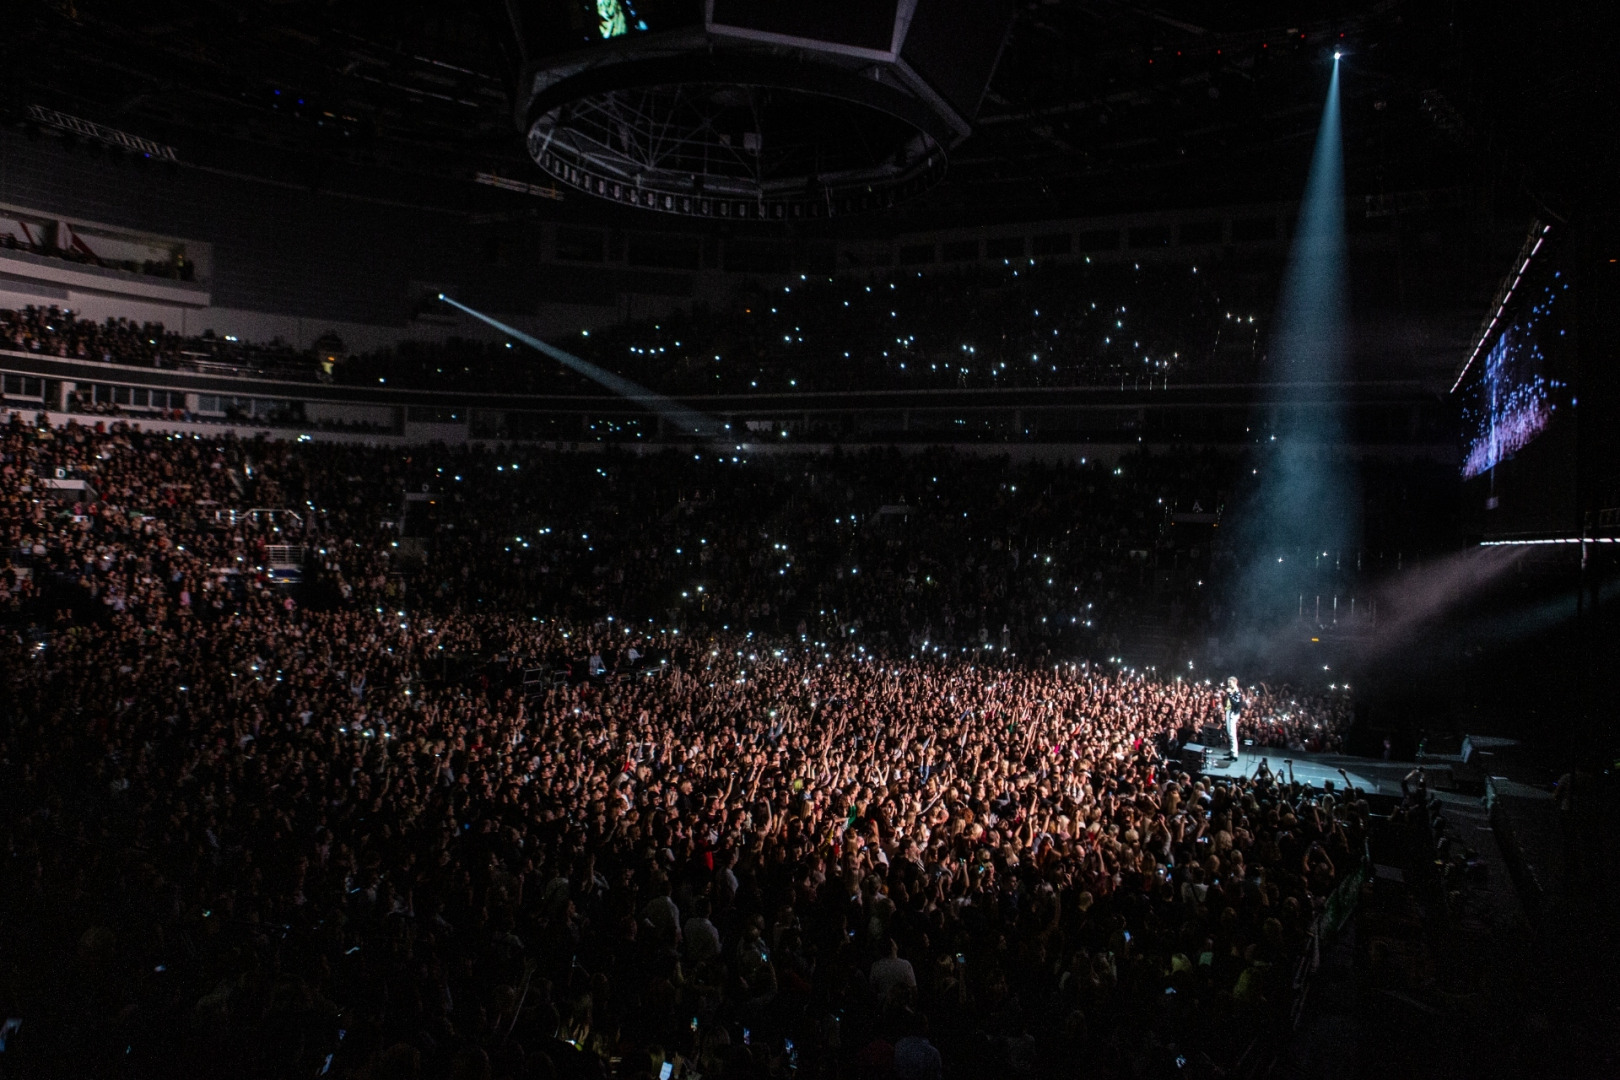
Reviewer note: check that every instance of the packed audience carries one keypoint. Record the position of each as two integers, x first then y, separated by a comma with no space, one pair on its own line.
1024,324
53,331
1027,323
583,765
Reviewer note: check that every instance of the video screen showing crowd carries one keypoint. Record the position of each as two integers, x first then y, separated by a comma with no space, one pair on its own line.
629,766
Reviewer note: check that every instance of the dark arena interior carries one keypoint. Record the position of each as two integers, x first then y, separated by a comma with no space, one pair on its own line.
856,540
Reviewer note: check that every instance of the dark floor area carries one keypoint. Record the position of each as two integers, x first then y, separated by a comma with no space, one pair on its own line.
1476,950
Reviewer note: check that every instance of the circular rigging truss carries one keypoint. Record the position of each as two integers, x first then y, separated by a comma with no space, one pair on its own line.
755,123
739,150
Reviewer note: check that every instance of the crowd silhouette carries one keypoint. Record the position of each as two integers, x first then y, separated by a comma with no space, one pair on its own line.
485,795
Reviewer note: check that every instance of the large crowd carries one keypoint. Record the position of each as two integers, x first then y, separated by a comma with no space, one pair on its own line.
1023,324
49,330
580,765
1027,323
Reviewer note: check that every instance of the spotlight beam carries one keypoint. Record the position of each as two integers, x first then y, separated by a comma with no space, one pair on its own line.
685,420
1304,496
1308,342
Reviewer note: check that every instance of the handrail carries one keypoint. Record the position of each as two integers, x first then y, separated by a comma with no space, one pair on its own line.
285,554
1334,913
1341,903
1531,891
1191,394
232,516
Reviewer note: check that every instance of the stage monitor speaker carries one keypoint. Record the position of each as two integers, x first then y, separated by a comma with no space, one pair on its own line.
1195,757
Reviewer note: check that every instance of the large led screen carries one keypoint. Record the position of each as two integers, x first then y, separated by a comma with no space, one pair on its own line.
1518,390
1518,415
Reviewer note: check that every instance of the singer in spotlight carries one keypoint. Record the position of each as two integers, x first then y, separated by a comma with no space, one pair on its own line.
1233,700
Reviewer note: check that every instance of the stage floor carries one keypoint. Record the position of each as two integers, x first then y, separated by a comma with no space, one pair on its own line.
1373,777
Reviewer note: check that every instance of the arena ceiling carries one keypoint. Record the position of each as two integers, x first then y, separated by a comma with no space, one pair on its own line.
1094,105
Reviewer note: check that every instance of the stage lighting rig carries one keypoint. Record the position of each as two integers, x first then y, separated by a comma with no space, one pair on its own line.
733,109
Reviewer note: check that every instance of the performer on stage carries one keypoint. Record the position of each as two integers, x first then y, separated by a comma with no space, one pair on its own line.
1234,706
